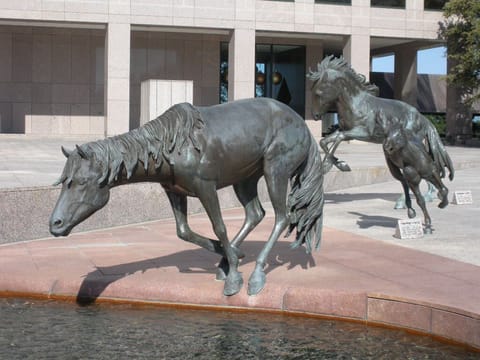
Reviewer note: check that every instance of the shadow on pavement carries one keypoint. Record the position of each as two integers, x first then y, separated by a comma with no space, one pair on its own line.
368,221
189,261
341,198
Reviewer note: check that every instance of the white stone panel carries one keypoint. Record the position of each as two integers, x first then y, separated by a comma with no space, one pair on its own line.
159,95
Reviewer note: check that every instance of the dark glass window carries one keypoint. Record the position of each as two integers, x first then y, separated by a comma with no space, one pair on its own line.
336,2
388,3
223,72
435,4
279,74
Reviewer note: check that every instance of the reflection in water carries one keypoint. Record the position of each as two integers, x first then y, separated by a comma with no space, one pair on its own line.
51,330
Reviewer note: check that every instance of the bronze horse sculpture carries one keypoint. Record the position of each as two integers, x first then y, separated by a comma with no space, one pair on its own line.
366,117
409,163
193,151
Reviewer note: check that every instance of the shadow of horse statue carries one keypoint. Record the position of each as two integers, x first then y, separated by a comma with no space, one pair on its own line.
366,117
193,151
367,221
95,282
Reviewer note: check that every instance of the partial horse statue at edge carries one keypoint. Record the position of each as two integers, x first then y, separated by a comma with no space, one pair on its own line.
193,151
366,117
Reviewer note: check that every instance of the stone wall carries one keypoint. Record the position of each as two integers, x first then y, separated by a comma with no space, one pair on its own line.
26,212
51,80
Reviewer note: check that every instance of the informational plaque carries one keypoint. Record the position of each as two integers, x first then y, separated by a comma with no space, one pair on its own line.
462,197
409,229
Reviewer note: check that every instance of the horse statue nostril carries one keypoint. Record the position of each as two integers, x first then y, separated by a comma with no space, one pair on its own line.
57,222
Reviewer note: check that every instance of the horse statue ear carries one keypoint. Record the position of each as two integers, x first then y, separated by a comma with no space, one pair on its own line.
82,153
66,152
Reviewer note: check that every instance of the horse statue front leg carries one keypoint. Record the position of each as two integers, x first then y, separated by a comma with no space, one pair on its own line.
179,207
207,195
330,159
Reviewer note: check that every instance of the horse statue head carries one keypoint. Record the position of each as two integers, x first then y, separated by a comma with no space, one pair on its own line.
395,140
335,78
85,190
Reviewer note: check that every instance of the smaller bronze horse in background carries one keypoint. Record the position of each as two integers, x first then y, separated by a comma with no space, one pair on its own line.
365,116
409,163
194,151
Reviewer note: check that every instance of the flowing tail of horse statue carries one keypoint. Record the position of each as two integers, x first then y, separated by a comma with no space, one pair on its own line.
437,151
306,200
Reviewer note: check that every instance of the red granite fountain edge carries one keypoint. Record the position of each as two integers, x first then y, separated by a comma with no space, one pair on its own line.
443,323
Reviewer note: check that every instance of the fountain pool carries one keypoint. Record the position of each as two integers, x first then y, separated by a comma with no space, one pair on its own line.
35,329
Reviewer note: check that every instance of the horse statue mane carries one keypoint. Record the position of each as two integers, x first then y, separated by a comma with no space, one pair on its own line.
157,139
342,69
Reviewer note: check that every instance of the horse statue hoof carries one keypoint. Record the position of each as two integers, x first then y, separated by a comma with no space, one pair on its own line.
427,230
256,282
343,166
443,204
411,213
233,284
444,197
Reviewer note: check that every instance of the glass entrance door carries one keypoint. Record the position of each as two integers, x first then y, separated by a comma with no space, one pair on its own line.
280,74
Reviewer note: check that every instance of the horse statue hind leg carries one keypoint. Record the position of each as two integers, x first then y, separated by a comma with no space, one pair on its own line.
247,194
435,182
413,178
305,201
277,184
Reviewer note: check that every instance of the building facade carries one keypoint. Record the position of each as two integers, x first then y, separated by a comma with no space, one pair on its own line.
75,67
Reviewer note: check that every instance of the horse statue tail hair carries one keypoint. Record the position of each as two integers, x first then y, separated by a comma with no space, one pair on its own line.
305,201
437,151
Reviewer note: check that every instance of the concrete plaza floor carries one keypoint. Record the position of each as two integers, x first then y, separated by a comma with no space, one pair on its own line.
362,272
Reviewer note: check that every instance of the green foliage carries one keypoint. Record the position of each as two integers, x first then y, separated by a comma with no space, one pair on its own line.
439,121
461,30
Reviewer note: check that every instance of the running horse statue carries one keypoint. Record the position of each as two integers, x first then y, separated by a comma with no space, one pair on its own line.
366,117
193,151
409,163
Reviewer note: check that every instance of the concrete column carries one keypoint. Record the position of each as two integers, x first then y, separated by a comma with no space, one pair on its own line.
405,78
241,64
314,55
117,79
357,52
